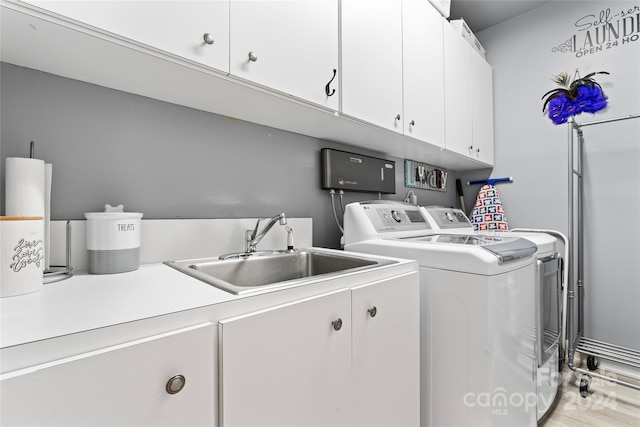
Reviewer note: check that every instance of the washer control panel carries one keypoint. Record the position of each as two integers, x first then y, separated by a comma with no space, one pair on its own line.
448,218
396,218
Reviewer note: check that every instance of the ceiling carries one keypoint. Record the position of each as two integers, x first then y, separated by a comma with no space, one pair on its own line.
482,14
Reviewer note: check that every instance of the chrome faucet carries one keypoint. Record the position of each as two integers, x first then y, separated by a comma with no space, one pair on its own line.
253,237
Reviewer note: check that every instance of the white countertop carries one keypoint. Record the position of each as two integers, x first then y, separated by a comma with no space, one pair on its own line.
87,312
87,301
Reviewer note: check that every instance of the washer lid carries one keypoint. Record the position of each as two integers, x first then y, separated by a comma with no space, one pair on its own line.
546,243
506,249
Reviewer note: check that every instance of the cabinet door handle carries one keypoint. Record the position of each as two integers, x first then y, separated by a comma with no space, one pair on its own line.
412,122
373,311
253,57
398,117
327,89
208,38
337,324
176,384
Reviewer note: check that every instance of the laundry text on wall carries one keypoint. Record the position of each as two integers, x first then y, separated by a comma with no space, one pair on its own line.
607,29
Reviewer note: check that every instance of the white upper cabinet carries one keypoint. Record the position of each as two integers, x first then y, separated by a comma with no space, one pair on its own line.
397,72
195,30
392,66
423,72
372,62
289,46
482,98
457,91
468,99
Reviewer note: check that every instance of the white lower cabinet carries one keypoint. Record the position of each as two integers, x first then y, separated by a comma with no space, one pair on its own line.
349,357
165,379
289,365
346,357
386,352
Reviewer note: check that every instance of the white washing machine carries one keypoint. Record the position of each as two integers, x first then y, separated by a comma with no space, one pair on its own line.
477,323
549,269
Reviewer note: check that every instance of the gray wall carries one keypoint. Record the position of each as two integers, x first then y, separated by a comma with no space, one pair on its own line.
165,160
534,151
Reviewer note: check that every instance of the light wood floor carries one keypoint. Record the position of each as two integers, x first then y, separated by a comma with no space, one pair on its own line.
607,404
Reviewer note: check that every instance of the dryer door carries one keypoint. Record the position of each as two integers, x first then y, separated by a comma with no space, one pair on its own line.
549,294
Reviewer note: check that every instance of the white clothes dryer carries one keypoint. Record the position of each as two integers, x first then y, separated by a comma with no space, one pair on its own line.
477,323
548,301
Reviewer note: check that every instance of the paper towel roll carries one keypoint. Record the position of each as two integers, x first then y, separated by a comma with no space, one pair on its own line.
48,173
24,187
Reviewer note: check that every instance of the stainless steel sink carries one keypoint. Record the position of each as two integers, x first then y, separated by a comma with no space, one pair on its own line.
259,271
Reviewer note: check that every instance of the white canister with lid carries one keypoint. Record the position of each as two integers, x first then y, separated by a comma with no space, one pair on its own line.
113,240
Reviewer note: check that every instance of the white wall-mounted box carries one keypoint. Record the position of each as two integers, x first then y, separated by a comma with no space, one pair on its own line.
443,6
461,26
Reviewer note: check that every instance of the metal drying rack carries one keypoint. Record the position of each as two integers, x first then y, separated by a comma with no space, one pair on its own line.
594,349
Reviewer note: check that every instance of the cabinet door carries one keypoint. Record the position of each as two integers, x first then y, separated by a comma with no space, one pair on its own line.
423,72
174,26
124,385
386,352
457,91
288,366
371,38
482,98
289,46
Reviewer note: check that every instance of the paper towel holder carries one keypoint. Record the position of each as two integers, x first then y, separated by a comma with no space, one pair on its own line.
57,273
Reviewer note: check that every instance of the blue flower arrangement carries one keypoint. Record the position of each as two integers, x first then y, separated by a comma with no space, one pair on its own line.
581,95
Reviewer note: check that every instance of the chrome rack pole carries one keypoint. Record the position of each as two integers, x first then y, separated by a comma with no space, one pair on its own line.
615,119
569,321
580,232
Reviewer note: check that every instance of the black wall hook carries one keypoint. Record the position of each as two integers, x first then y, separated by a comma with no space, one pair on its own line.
327,89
